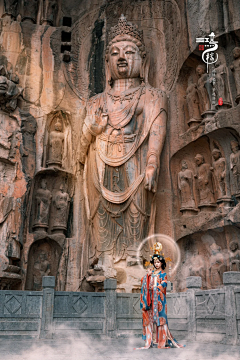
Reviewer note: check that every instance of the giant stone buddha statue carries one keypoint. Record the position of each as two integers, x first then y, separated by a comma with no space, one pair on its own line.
121,143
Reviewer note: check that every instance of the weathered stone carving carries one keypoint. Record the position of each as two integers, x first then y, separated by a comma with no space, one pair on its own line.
185,186
56,143
235,166
204,184
28,130
126,120
197,266
9,89
193,104
202,90
48,12
234,256
42,206
41,268
235,67
222,88
217,266
29,10
219,168
60,210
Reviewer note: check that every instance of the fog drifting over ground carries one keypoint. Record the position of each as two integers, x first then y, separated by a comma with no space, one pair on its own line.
86,348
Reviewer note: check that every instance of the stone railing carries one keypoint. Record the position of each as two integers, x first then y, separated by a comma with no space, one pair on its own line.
195,315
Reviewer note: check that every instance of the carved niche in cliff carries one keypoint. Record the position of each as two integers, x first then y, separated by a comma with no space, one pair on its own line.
58,141
51,202
43,260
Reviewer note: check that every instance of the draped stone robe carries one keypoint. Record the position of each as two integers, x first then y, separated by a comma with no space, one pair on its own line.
120,210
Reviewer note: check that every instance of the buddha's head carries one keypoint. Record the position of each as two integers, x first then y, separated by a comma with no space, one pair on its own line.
184,165
234,146
236,52
44,184
58,125
216,153
200,69
199,159
125,54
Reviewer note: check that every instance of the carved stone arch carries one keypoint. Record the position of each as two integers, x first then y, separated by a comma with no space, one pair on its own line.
43,260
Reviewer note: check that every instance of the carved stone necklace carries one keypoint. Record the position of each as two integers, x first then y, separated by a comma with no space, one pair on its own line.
124,97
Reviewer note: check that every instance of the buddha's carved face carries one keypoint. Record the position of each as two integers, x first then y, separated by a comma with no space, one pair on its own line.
216,154
44,184
198,160
233,246
58,126
234,147
184,165
124,60
200,70
236,52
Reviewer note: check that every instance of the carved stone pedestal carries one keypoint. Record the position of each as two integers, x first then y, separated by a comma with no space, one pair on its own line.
10,277
96,278
207,207
189,212
40,228
208,115
58,229
226,105
54,164
224,202
194,122
237,99
237,196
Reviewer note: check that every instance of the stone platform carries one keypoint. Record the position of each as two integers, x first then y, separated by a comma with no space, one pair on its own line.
121,348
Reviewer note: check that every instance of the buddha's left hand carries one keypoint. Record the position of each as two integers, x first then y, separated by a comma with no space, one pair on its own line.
150,183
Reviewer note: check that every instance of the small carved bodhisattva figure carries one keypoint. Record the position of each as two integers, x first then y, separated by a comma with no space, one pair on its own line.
219,168
122,139
234,256
61,209
43,201
193,104
235,166
41,268
235,67
185,187
202,90
217,266
204,183
56,143
221,85
197,266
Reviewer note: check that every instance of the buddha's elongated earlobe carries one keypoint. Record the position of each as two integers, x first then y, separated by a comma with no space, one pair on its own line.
108,75
145,69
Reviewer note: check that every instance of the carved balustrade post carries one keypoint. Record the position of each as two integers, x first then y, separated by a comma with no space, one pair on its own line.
46,330
110,286
193,283
231,280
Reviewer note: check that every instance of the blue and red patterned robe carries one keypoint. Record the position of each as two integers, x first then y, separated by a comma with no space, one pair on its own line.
154,310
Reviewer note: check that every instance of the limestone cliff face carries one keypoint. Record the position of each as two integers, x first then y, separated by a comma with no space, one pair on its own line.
52,60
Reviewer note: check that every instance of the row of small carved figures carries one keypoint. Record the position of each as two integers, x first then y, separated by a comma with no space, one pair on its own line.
209,180
43,201
201,96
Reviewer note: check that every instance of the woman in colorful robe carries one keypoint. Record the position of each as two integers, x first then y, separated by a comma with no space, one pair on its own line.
154,307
